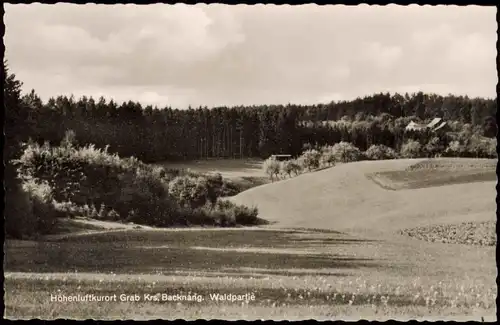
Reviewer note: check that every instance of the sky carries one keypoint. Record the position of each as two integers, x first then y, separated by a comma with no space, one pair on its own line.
213,55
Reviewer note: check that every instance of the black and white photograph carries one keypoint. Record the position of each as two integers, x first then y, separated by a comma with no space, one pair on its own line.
250,162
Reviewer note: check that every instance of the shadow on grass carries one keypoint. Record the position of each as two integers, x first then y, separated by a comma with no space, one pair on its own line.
332,241
211,237
110,258
317,230
261,222
158,251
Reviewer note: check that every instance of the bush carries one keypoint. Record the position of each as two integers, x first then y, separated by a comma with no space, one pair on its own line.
380,152
289,167
310,159
482,147
70,209
328,158
491,148
52,165
44,212
142,199
455,149
223,214
189,191
90,176
296,166
346,152
238,214
93,183
271,167
433,147
216,187
19,217
29,211
411,149
476,146
286,168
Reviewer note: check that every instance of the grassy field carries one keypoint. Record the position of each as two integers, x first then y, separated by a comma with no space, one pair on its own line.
333,252
229,168
343,198
437,172
289,269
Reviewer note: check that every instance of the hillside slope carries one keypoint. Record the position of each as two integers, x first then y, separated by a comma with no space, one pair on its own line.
344,199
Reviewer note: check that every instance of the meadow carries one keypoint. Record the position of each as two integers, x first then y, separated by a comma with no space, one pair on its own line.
438,172
339,254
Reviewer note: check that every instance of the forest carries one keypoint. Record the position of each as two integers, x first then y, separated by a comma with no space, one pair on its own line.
154,134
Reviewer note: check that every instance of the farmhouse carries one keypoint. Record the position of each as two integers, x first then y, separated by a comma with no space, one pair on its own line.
433,126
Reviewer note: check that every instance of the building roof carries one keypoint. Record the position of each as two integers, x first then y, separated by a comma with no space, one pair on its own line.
415,126
434,122
439,126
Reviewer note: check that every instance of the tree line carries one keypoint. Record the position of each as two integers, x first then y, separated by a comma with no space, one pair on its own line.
157,134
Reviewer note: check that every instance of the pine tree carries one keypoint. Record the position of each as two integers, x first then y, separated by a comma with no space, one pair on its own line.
16,114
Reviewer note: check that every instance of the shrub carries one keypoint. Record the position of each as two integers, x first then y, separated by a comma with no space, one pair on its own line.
476,146
189,191
202,216
29,211
216,187
19,217
93,183
289,167
296,166
411,149
228,188
145,200
53,165
328,158
454,149
245,215
433,147
346,152
286,167
310,159
92,177
44,212
238,214
491,148
380,152
70,209
271,167
223,214
482,147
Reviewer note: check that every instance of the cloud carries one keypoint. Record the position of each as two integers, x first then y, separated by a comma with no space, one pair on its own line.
228,55
382,57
